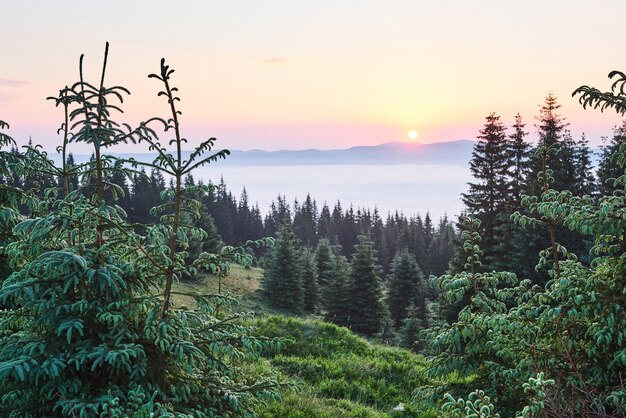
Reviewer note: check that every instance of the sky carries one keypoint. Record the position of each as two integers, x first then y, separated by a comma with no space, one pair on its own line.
316,74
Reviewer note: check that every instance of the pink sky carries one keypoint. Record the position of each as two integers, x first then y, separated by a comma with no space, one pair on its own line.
325,74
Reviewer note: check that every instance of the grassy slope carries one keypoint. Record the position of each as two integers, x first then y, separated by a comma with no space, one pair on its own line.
339,374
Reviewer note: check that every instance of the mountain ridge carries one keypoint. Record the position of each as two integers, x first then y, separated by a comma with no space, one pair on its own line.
388,153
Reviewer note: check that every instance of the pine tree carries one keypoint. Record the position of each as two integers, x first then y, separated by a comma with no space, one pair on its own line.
583,165
410,328
282,280
305,222
487,196
442,247
336,297
325,263
378,237
609,169
90,328
325,227
551,130
364,306
519,154
405,287
347,231
308,271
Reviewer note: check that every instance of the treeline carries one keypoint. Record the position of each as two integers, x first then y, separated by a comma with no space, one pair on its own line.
506,167
535,305
341,263
352,293
231,221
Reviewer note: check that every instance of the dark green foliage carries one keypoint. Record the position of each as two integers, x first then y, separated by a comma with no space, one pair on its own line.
326,273
551,130
324,260
305,221
608,169
488,196
519,154
410,329
344,375
585,182
335,294
406,288
364,305
282,281
556,350
308,271
90,328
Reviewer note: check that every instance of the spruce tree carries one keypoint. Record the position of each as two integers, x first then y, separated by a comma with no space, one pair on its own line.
410,329
90,327
405,287
519,154
583,165
365,307
325,265
282,280
305,222
551,129
608,168
336,296
442,247
308,271
325,228
487,196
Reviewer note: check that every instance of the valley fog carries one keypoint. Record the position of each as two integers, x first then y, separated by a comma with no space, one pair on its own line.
410,188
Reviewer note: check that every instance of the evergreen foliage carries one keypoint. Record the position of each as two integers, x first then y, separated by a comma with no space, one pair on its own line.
488,195
405,288
308,270
282,281
410,328
609,169
344,375
556,350
89,327
364,305
336,293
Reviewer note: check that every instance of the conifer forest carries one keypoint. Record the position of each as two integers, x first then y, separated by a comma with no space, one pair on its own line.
117,277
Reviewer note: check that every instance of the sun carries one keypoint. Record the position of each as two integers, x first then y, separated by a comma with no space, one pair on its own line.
412,135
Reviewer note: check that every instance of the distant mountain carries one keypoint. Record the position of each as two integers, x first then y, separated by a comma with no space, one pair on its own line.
452,152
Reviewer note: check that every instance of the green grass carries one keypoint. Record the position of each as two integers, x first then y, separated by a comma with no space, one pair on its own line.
244,284
339,374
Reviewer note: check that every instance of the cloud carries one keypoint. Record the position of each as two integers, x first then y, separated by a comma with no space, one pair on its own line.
8,82
9,100
274,60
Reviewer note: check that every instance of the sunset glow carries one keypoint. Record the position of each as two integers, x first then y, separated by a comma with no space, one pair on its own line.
329,75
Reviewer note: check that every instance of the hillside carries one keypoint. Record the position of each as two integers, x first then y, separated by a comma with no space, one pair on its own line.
338,373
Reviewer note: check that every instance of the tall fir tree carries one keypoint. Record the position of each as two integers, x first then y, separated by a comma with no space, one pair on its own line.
583,168
324,260
487,196
551,129
336,296
519,154
406,287
608,168
282,280
305,222
308,272
511,238
364,306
